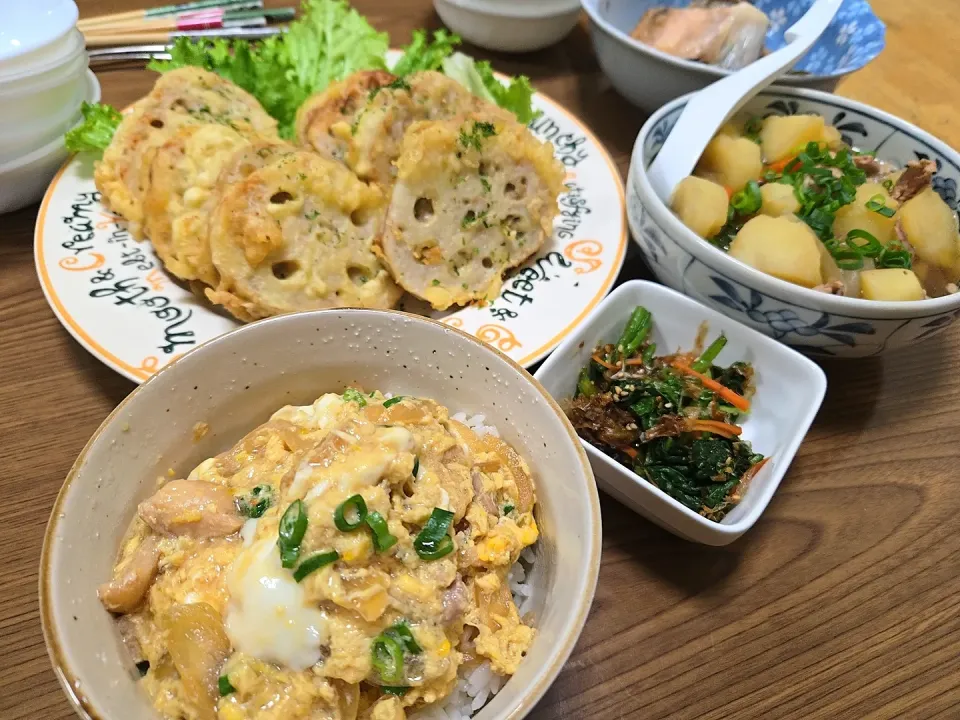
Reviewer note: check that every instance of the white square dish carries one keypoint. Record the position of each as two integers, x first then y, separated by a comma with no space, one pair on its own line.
789,391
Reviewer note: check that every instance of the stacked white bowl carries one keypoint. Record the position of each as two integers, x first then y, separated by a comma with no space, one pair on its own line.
44,79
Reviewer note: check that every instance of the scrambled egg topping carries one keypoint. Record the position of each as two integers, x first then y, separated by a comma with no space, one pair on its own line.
342,561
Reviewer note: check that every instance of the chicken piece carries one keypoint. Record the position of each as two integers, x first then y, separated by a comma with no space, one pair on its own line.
915,178
193,508
475,196
321,120
132,580
386,708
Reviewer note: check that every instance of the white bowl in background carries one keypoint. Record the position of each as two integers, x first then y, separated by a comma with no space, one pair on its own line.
650,78
789,391
510,25
24,180
28,26
36,64
814,322
235,382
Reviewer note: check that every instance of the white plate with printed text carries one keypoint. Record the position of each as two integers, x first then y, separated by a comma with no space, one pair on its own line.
114,296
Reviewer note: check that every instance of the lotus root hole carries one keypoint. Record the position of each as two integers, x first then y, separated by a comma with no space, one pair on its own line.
279,198
284,269
423,209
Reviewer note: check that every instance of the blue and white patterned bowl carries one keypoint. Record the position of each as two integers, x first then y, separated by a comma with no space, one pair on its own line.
649,78
814,322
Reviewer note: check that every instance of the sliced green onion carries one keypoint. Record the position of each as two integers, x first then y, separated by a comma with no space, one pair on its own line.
314,563
355,396
871,247
398,690
878,204
382,539
387,657
507,509
293,526
401,632
848,259
416,466
705,360
748,200
895,259
887,185
392,401
255,503
353,504
433,542
224,685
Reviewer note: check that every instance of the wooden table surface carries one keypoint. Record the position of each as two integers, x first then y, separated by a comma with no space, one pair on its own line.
842,602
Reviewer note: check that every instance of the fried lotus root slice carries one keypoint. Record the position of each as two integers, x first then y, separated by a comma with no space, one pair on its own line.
190,238
188,95
182,177
324,120
475,196
376,135
298,235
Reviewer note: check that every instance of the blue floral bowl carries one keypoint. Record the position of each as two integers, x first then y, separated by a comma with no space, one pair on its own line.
649,78
813,322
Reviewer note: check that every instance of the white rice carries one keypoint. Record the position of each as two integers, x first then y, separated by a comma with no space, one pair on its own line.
477,685
475,423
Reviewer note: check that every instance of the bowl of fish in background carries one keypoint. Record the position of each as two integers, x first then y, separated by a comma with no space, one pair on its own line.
828,314
273,372
654,51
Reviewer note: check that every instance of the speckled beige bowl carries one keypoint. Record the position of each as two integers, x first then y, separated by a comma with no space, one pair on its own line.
235,382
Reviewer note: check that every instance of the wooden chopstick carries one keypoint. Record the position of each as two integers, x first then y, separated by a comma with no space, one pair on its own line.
200,5
110,39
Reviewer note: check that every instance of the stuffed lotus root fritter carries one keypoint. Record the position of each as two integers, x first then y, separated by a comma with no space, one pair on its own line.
180,97
183,173
344,561
298,234
377,133
474,197
338,105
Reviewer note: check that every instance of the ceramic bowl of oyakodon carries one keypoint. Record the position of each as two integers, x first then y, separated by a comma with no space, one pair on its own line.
340,514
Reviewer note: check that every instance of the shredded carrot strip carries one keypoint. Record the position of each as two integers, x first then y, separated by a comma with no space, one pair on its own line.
634,361
601,361
735,399
749,475
730,191
717,426
631,453
780,165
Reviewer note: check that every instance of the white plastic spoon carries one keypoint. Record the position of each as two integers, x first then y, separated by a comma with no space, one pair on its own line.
710,108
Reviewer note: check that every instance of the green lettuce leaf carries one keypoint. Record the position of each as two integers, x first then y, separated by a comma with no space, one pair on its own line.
96,131
423,54
330,41
478,77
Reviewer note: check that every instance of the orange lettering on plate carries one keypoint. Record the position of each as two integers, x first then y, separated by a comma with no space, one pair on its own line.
586,252
497,335
108,220
72,263
156,279
453,322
